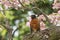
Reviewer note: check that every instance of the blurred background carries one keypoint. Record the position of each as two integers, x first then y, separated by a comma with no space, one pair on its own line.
15,14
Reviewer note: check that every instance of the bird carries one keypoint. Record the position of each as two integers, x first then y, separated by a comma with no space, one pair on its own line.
34,24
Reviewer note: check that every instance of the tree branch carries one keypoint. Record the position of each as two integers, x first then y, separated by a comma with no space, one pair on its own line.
18,27
15,31
21,3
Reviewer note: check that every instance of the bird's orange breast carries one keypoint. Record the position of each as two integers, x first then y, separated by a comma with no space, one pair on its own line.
34,24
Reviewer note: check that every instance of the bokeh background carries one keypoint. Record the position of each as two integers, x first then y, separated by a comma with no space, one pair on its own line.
15,14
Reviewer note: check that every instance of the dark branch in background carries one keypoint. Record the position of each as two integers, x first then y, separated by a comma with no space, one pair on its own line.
15,31
3,25
9,1
11,4
21,3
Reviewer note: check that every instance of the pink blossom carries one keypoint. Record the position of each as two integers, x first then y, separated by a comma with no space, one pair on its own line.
42,25
7,3
41,17
28,24
59,11
57,6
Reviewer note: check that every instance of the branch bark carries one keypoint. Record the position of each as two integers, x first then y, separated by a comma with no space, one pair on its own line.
21,3
47,34
9,29
15,31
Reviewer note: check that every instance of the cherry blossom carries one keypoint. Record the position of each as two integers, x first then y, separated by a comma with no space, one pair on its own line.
42,25
56,4
59,11
13,3
41,17
28,24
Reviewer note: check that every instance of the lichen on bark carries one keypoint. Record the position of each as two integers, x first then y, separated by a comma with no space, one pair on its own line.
52,33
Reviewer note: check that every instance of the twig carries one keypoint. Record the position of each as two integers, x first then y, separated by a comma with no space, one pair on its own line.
21,3
15,31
